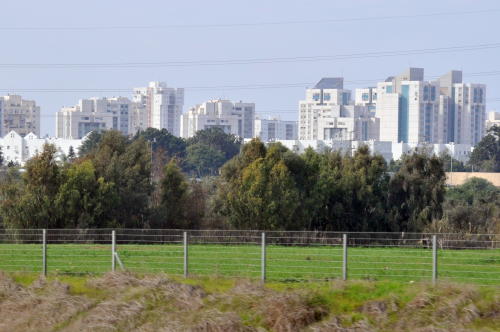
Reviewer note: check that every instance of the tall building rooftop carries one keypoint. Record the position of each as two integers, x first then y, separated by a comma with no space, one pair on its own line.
330,83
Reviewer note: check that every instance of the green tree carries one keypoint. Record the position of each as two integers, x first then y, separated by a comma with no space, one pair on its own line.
217,139
486,154
30,204
127,165
85,201
452,164
90,143
260,194
473,208
347,192
169,144
71,154
174,197
204,160
416,192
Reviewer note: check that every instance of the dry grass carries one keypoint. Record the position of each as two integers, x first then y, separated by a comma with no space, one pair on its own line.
334,325
446,308
291,312
128,302
37,308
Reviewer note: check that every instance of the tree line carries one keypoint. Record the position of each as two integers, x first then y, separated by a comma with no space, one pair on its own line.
156,180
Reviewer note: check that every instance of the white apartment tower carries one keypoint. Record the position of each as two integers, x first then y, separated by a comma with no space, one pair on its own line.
94,114
413,110
233,118
162,106
409,109
19,115
469,101
270,130
327,114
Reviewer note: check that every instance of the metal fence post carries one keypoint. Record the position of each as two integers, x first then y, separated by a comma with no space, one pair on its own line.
113,250
263,258
434,259
44,252
344,257
186,271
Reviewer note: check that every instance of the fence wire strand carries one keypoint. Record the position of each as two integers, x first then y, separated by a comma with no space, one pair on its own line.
294,256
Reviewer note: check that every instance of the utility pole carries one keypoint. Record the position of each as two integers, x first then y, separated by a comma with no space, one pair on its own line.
151,154
451,169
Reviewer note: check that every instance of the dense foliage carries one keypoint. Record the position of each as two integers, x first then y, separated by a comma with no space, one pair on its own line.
156,180
273,188
486,154
473,208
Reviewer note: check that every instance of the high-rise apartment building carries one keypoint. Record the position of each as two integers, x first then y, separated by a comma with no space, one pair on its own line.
327,114
20,115
466,109
470,113
233,118
162,106
272,129
366,97
94,114
413,110
408,108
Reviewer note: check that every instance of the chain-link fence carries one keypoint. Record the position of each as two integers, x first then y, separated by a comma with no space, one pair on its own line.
284,256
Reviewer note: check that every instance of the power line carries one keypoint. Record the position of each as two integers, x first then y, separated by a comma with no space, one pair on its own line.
254,86
245,24
250,61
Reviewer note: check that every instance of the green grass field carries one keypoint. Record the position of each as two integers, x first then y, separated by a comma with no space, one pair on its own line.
284,263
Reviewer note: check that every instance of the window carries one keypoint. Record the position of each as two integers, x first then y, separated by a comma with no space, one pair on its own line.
426,92
365,96
326,96
316,96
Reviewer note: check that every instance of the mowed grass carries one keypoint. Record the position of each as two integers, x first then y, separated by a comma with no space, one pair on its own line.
283,263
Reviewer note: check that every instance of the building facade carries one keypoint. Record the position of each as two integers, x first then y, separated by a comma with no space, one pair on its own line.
233,118
493,119
161,107
408,108
19,149
412,110
388,150
19,115
328,114
272,129
469,112
366,97
94,114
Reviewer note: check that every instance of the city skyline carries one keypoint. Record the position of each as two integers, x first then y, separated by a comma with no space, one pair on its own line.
344,114
174,32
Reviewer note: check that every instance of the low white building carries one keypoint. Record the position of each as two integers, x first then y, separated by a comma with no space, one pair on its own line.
460,152
233,118
272,129
94,114
388,150
493,119
19,149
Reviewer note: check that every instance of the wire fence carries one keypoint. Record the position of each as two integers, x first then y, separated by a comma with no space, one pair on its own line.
283,256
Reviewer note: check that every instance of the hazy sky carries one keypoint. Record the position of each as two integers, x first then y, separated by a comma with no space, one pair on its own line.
197,39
